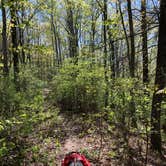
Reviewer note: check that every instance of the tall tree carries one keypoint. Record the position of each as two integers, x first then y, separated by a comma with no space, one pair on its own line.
21,39
114,62
125,33
94,16
112,55
13,13
132,40
105,48
144,42
160,81
4,39
132,60
56,38
72,30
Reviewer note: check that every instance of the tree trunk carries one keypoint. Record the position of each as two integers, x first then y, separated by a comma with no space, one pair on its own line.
112,56
72,31
125,33
105,50
92,37
28,57
132,61
95,13
14,42
116,45
56,40
144,42
160,81
4,40
132,41
59,48
21,31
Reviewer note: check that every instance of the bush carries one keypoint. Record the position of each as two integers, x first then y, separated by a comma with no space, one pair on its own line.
19,111
124,94
79,87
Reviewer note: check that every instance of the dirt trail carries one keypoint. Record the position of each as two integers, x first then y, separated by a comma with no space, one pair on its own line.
78,132
71,144
81,137
72,140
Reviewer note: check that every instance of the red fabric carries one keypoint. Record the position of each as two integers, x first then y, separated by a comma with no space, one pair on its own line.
72,157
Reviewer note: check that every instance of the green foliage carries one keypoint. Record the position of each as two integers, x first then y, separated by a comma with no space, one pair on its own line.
19,110
90,154
30,91
123,93
8,97
79,87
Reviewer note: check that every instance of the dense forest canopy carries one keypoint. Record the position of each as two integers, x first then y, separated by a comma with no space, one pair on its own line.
93,69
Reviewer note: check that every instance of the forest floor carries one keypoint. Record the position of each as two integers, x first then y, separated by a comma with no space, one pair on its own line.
50,142
88,134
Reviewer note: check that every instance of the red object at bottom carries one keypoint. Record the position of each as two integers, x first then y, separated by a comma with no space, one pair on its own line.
74,157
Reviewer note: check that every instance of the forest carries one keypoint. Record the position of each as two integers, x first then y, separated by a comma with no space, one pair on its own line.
83,75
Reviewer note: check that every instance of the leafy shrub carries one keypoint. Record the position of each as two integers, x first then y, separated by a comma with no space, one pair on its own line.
19,111
79,87
123,95
8,98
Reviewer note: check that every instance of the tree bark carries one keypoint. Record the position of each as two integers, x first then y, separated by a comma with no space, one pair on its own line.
21,34
105,50
4,39
125,33
132,61
92,37
160,81
14,42
132,40
112,55
56,39
144,42
72,31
